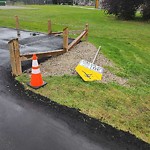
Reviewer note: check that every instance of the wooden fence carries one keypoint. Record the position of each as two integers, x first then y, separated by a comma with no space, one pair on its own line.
16,57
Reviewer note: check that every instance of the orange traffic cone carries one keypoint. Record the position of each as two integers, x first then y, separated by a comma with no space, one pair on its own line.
36,77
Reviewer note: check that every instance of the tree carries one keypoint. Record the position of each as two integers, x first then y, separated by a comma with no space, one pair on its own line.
126,9
145,10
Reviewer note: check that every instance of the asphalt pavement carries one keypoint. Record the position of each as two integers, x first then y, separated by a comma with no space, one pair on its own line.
31,122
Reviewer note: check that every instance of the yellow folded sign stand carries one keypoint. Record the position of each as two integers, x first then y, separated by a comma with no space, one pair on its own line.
89,71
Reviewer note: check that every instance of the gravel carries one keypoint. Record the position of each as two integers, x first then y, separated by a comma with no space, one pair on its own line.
65,64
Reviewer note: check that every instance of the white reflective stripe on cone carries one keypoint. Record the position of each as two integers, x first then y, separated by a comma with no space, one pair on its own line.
36,71
35,63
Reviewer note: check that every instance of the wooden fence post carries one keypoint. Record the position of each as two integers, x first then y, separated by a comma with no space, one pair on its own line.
17,25
65,39
49,27
15,57
96,4
87,30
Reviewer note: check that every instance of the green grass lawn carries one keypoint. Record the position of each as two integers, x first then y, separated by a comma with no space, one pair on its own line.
126,43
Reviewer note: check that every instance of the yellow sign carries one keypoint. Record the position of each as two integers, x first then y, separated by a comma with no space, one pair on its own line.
89,71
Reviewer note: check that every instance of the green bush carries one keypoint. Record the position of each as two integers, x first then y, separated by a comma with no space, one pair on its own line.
146,10
126,9
2,3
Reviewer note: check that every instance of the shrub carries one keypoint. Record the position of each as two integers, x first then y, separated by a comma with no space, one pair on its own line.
145,10
123,9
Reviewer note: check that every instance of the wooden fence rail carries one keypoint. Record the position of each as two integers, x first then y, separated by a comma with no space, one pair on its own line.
28,56
16,57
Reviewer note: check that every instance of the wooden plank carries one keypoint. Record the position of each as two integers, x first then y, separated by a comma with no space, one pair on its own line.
75,31
77,40
59,32
12,57
17,58
49,27
41,54
65,39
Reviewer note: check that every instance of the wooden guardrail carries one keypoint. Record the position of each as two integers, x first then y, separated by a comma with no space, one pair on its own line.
16,57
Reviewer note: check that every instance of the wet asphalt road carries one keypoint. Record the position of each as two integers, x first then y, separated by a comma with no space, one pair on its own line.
26,123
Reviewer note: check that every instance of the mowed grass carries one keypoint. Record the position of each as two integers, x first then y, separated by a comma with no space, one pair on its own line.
126,43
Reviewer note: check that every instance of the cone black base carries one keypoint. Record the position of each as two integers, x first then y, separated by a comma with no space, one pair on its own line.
36,87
